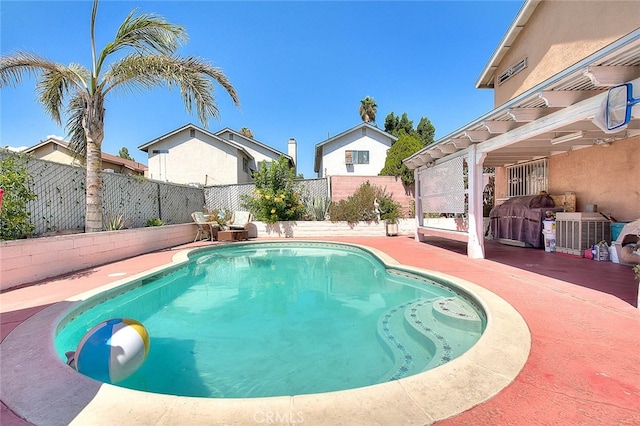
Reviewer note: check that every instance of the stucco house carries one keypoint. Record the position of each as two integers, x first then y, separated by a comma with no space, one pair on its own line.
359,151
57,150
551,75
192,155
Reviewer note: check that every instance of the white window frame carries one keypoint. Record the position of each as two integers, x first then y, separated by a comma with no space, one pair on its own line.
528,178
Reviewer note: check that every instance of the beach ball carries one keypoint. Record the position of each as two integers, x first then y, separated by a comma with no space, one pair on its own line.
112,350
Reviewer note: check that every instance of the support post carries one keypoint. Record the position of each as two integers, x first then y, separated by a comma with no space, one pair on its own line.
475,244
419,214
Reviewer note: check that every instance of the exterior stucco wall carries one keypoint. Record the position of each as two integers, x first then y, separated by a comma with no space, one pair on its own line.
333,154
561,33
608,176
203,159
60,155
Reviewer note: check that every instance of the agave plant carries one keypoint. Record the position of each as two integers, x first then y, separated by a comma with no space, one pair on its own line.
317,207
115,222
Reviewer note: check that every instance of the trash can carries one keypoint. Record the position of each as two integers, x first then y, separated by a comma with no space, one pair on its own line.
549,233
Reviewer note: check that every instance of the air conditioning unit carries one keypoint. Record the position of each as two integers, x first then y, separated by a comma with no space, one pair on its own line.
576,232
348,158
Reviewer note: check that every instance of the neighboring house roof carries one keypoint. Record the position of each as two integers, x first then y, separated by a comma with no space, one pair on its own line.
523,128
319,145
256,142
125,163
106,158
145,147
49,140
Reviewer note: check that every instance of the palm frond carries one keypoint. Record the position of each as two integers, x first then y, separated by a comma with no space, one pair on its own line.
53,86
74,128
55,82
146,33
194,76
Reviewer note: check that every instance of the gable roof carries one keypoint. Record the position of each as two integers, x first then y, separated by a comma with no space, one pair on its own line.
145,147
254,141
319,145
113,159
486,79
49,140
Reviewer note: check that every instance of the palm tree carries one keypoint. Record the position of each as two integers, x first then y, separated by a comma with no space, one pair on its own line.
368,109
150,62
245,131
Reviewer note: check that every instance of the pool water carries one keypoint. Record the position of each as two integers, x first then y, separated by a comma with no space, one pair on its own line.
269,319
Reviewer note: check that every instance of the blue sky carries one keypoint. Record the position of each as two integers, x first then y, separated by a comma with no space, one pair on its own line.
300,68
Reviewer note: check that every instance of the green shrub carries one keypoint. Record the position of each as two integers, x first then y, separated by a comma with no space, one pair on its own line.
14,216
154,222
360,207
276,197
389,209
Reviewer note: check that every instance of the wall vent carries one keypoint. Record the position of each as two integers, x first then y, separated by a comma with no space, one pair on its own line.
515,69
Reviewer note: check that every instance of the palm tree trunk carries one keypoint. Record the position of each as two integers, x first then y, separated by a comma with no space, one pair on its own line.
93,218
93,124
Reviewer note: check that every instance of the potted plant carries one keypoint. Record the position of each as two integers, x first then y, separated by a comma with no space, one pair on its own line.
390,213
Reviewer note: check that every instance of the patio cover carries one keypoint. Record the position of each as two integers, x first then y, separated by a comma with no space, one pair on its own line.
523,128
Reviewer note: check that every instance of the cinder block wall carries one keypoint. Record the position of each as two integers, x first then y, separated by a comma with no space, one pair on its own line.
34,259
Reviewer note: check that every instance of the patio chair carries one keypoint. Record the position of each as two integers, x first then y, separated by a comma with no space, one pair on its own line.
204,227
240,220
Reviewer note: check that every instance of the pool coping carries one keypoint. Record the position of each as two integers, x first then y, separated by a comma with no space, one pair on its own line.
63,396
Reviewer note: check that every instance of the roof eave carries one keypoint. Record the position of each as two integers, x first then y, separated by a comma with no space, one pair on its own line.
485,81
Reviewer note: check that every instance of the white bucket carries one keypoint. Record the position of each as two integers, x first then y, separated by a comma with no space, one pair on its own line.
549,225
549,232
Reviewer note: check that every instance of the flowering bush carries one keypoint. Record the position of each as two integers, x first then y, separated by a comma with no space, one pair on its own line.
276,197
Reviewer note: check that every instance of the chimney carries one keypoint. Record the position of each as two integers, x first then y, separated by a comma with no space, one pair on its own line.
292,151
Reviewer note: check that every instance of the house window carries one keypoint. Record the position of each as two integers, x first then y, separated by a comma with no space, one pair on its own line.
364,131
230,136
192,133
528,178
245,165
55,147
356,157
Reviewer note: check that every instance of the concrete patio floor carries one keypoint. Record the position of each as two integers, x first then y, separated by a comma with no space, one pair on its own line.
584,364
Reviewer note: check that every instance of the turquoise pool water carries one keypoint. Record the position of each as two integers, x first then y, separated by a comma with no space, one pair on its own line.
268,319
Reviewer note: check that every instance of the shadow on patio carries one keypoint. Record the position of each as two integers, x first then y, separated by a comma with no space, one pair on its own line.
607,277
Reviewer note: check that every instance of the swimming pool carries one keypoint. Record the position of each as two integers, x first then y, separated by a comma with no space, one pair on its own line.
60,395
270,319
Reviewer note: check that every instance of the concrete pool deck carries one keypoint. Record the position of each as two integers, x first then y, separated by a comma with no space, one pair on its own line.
584,365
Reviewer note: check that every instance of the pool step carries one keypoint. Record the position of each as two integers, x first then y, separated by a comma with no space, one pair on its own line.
415,333
410,355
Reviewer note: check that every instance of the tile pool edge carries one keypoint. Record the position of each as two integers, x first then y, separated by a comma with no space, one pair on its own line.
59,395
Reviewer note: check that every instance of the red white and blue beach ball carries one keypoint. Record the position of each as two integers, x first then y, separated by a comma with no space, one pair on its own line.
112,350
